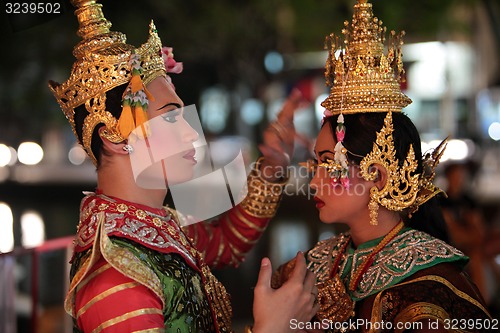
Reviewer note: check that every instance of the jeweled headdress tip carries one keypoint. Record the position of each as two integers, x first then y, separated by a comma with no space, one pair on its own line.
363,78
430,161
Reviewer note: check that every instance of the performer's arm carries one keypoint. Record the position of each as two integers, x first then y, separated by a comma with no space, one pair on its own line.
226,240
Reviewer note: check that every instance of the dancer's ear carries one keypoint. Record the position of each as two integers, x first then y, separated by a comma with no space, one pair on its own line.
110,147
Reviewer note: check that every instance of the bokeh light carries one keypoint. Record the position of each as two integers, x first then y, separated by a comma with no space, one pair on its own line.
30,153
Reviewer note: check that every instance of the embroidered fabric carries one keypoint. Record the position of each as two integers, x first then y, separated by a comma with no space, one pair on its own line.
407,253
104,219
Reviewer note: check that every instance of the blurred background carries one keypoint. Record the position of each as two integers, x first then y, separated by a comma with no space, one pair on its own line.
241,59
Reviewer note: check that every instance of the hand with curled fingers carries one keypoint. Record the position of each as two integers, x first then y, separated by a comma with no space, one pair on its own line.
295,301
278,140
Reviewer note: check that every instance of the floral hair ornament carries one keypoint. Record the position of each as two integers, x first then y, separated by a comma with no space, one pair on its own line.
135,102
340,162
171,65
136,97
338,168
341,152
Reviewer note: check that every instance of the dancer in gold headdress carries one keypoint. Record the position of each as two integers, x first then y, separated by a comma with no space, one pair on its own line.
134,268
385,274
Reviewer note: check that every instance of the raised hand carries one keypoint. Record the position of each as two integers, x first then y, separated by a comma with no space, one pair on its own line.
279,137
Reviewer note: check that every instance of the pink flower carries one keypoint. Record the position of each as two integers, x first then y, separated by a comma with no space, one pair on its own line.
340,135
327,113
345,182
171,65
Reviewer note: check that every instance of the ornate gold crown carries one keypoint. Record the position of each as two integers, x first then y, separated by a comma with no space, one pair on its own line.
362,77
102,63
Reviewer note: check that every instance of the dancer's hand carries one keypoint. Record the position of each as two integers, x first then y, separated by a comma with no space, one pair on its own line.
276,310
278,140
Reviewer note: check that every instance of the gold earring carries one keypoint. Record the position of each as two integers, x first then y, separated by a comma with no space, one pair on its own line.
373,208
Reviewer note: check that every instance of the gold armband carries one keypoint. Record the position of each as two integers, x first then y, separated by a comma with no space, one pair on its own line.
248,329
263,197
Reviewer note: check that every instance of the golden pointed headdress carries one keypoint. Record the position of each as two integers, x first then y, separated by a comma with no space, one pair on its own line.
103,62
364,79
361,76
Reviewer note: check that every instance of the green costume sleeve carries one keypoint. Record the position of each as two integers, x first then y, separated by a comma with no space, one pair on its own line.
186,305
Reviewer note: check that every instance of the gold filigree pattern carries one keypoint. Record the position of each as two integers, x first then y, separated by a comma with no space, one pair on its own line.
361,76
126,220
335,304
419,311
322,256
423,310
220,300
101,65
450,286
427,189
263,197
129,265
77,278
334,300
408,252
402,185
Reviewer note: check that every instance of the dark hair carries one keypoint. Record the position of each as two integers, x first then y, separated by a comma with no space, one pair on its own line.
361,131
113,105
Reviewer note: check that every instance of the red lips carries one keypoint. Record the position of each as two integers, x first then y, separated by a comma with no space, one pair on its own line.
319,203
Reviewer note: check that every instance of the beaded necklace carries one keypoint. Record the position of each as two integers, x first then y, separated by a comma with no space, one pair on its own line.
358,274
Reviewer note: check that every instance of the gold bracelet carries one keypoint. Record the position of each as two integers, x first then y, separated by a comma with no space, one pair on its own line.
263,197
248,329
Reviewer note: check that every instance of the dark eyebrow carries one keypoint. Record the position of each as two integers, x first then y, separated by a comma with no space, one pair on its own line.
177,105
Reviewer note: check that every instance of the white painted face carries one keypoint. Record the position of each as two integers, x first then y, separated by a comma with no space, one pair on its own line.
166,154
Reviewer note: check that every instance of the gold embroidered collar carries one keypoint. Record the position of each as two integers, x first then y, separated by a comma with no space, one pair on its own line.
407,253
153,228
